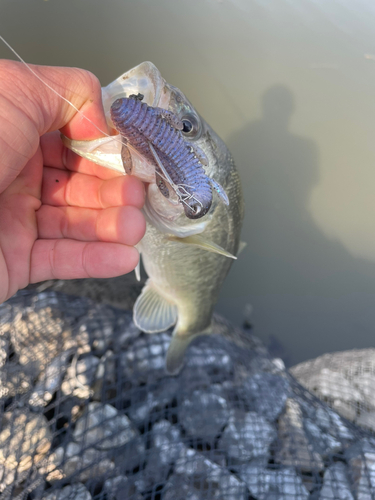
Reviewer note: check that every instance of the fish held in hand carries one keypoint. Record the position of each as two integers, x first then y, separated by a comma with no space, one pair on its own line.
194,205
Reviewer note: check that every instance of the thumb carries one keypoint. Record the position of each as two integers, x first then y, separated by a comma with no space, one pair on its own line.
45,107
29,109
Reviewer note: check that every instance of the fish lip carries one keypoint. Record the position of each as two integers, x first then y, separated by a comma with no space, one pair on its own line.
145,79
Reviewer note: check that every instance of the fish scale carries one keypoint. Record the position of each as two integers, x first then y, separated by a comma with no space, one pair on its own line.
141,124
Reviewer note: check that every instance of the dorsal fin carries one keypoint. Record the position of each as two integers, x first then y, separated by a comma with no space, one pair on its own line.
153,313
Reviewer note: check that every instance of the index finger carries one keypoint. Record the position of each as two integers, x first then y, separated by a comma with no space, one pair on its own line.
56,155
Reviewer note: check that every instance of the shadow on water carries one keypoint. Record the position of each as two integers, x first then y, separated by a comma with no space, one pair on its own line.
306,290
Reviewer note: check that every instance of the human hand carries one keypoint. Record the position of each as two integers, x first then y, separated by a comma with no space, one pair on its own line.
61,216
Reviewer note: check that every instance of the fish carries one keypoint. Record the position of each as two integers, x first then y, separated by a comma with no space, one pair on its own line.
186,251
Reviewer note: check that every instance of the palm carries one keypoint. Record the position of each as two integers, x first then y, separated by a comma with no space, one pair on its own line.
59,223
60,216
18,228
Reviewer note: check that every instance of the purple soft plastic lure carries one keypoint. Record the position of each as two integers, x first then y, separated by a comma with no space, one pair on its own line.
156,134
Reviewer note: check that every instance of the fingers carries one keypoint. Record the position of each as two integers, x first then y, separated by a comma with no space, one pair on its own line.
70,259
57,156
124,225
61,188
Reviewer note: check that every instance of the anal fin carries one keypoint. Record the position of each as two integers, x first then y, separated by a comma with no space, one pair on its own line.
153,313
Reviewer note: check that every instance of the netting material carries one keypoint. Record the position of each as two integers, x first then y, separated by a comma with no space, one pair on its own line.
345,381
88,412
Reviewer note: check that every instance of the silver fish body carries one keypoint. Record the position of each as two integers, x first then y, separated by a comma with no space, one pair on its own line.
186,260
186,275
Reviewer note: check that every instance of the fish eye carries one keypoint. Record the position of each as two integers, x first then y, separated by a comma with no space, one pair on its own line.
187,126
191,128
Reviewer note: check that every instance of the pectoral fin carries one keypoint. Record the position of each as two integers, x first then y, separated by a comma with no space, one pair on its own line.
153,313
199,241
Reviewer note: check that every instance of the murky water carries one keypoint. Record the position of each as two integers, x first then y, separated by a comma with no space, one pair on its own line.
289,85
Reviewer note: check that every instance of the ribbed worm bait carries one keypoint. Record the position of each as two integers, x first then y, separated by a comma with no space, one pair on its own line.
157,134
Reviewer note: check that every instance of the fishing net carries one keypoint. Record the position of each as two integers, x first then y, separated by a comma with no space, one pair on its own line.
88,412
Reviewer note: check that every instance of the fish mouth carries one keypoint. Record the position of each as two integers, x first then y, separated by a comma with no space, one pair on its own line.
144,79
164,213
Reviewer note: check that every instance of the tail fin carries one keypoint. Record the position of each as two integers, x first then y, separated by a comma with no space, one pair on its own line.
177,348
176,351
220,326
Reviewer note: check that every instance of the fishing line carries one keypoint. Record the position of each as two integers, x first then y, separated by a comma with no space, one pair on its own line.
57,93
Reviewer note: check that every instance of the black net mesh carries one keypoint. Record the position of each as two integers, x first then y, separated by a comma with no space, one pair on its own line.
88,412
